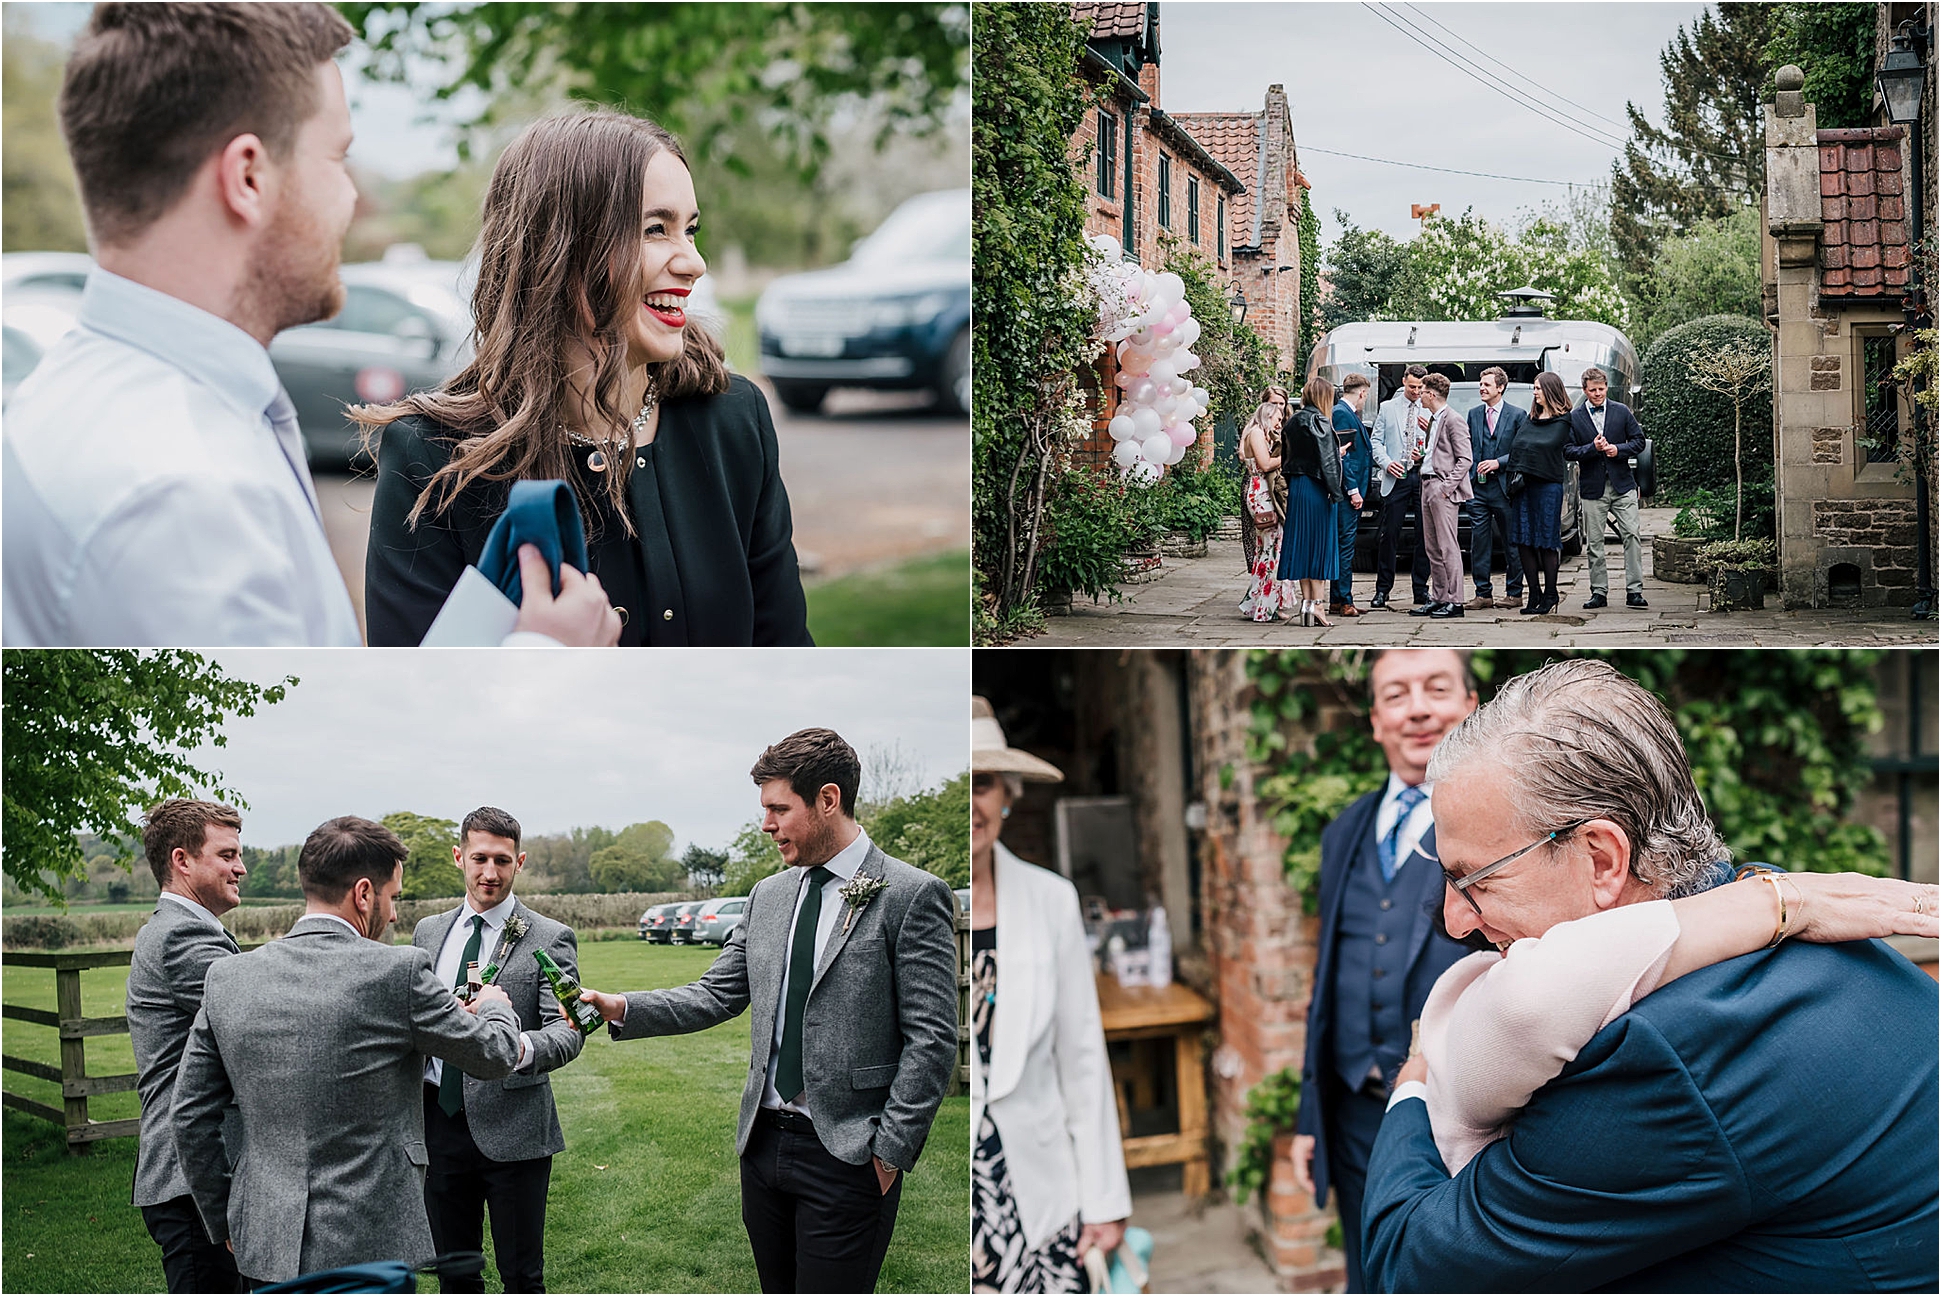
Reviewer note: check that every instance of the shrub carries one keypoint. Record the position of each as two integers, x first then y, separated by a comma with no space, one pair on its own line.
1691,429
40,931
1089,523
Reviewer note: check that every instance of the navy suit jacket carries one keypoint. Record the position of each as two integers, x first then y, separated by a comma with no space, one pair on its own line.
1595,467
1429,955
1361,459
1509,421
1764,1124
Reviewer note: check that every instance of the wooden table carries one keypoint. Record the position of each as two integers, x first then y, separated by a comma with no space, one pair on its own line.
1178,1014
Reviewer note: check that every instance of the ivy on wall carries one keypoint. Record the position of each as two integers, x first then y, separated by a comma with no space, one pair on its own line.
1310,332
1776,741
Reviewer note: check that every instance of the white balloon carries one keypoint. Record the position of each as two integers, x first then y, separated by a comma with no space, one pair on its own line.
1145,424
1174,453
1179,386
1157,447
1126,454
1202,397
1186,411
1165,406
1185,362
1108,245
1144,392
1144,473
1171,284
1189,332
1163,372
1120,427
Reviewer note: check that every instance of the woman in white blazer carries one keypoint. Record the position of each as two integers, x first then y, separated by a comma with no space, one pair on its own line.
1048,1178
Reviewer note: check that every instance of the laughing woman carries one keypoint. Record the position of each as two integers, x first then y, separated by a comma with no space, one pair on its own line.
589,370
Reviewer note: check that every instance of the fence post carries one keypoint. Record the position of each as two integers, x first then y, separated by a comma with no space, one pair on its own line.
74,1053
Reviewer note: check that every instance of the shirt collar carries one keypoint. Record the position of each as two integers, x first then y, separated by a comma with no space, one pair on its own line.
206,347
849,858
193,907
494,917
1395,786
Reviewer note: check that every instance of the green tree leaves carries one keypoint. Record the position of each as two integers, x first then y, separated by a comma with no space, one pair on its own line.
640,859
94,736
430,871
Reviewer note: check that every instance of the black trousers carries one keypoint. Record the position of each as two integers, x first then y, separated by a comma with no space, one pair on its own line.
1354,1118
1489,517
190,1261
462,1183
1403,496
815,1223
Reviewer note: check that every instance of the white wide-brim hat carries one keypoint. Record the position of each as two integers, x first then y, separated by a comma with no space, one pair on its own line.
990,754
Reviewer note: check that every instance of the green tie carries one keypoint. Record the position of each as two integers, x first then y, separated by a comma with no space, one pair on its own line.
788,1070
451,1084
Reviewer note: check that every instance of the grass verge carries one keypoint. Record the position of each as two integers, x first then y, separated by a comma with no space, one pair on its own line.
921,602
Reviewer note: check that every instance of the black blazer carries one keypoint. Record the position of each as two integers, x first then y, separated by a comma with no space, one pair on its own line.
729,579
1308,449
1621,430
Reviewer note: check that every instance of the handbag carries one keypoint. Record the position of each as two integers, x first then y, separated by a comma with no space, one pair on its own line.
1264,514
1513,484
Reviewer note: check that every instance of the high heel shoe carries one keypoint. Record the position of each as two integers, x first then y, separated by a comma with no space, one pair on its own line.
1307,612
1320,617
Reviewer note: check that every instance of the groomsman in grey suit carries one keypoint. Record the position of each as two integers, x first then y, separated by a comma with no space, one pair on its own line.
849,962
319,1040
195,851
492,1141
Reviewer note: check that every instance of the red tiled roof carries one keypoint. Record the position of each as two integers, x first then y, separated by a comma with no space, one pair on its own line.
1234,139
1112,19
1863,246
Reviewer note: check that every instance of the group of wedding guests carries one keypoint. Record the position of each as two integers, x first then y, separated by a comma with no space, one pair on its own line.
1636,1066
1310,474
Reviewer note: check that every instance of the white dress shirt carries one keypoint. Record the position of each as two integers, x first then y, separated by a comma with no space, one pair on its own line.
193,907
447,968
155,490
1597,417
844,866
1420,820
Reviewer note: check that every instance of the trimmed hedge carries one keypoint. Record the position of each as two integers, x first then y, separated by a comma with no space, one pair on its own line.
1691,429
617,910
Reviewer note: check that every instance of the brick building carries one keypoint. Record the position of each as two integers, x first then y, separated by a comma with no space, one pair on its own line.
1152,183
1837,259
1265,239
1164,734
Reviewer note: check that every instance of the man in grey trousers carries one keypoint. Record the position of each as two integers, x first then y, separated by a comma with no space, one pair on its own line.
195,851
492,1141
319,1040
849,961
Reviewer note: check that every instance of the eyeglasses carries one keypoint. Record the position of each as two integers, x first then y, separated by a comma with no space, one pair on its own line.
1461,885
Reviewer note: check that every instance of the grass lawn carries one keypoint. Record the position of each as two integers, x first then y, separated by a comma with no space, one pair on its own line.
922,602
646,1197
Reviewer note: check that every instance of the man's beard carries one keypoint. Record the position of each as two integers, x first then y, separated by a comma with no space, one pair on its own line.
817,850
293,279
375,924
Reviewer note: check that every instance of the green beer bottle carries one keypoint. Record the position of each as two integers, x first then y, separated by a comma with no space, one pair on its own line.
581,1013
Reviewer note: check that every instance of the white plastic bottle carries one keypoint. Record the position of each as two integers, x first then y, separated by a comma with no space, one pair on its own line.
1159,944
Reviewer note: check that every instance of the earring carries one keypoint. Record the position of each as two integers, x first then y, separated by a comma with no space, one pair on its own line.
1004,813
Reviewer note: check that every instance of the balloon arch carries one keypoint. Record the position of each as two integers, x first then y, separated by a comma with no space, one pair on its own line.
1148,319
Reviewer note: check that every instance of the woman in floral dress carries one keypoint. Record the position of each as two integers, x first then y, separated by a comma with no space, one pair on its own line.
1267,596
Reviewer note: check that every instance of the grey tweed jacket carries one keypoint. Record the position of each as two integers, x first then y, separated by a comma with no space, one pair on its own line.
319,1039
173,952
879,1035
514,1119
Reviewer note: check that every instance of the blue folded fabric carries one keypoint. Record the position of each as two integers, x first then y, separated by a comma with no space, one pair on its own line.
542,513
379,1276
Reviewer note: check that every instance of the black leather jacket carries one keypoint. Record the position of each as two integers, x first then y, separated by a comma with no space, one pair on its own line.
1308,449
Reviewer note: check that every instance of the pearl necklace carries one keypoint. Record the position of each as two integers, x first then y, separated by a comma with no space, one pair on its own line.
597,461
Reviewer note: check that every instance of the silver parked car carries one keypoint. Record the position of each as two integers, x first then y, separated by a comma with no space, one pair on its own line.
718,919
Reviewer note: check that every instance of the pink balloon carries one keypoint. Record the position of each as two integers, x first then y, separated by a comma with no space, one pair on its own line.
1163,328
1179,314
1181,435
1122,379
1142,392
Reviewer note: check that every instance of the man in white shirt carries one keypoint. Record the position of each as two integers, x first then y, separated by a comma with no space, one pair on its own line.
1379,951
156,488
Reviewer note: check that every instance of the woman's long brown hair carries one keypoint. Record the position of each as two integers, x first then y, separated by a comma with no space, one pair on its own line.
559,264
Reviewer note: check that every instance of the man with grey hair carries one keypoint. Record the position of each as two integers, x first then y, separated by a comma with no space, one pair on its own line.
1764,1123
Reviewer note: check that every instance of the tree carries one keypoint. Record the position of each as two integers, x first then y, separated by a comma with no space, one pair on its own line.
1365,270
641,858
751,857
1456,268
430,870
701,70
1713,269
929,829
1709,158
91,734
1736,372
1834,45
42,210
705,868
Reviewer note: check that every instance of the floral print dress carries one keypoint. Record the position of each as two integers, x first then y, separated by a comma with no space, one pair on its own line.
1000,1261
1267,596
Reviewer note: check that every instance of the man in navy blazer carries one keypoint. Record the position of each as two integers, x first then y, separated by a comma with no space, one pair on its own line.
1379,952
1604,439
1493,426
1767,1123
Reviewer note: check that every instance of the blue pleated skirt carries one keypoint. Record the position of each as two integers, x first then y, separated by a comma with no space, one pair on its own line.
1536,516
1310,544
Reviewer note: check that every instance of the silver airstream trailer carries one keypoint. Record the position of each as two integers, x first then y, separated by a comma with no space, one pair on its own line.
1523,342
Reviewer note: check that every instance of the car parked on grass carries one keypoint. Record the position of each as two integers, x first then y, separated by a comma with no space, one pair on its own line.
718,919
895,316
684,916
656,923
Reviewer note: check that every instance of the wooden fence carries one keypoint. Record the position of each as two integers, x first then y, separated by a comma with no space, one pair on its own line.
77,1086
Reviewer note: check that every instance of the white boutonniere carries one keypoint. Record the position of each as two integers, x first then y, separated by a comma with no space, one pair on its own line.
860,891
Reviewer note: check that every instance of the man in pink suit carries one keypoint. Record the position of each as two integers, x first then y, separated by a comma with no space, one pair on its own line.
1445,487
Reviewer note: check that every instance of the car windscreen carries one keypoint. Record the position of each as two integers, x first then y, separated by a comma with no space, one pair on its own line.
920,230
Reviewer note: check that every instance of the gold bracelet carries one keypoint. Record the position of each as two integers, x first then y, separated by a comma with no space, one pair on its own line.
1785,918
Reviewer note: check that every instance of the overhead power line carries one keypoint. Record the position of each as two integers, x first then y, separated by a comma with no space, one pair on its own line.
1424,166
1523,77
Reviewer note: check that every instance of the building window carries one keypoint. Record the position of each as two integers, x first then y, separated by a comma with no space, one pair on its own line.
1165,192
1881,419
1220,227
1193,209
1108,152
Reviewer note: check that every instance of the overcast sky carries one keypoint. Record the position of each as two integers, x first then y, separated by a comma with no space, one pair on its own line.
1357,85
568,739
